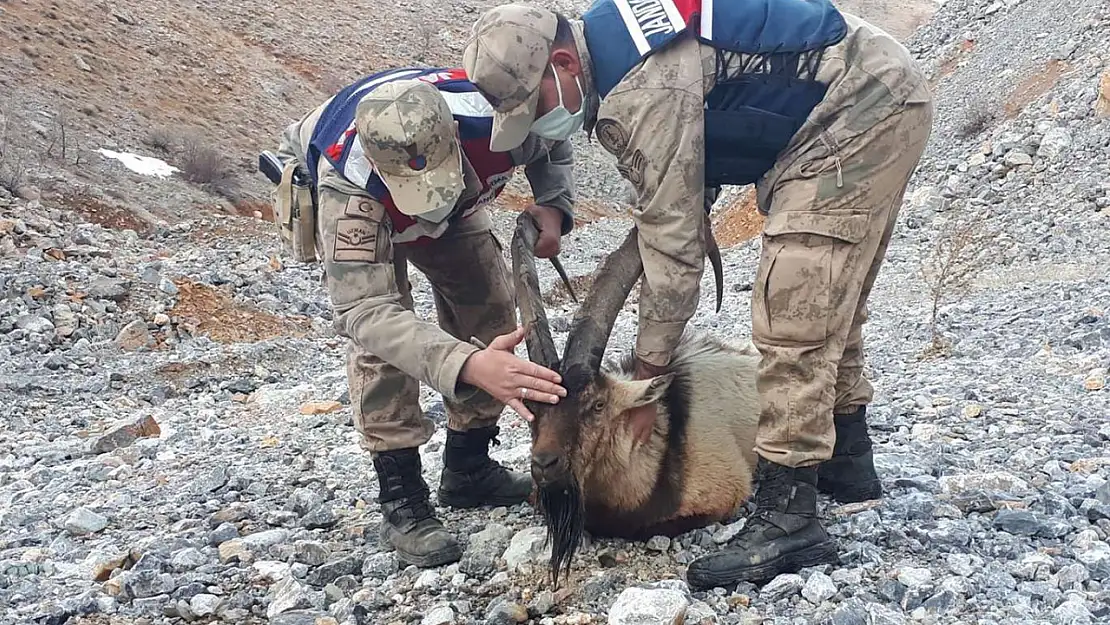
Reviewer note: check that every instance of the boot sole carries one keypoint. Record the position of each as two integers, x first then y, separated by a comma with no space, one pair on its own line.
856,493
431,560
452,500
821,553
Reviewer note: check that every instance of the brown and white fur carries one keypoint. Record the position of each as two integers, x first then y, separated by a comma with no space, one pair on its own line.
592,472
697,466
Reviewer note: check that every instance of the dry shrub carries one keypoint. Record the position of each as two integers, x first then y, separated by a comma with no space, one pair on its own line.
976,120
205,165
13,170
963,248
201,163
161,139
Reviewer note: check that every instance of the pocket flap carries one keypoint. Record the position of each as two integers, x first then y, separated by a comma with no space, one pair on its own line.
845,226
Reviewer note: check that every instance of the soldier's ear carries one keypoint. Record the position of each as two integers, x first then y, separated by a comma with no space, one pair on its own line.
566,60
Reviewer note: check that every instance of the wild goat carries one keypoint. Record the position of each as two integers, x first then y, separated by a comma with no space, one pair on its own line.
697,465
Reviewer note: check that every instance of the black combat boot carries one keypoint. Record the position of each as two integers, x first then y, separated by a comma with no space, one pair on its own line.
849,476
471,479
409,523
783,535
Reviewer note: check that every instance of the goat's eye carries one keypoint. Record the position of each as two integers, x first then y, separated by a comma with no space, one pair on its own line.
599,405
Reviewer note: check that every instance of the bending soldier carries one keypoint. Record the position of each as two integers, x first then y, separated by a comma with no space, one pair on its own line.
402,167
828,116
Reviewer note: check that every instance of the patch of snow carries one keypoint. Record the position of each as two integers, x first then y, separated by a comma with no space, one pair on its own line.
145,165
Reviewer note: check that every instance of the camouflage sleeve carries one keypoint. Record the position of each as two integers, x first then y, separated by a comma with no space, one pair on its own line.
370,309
652,122
551,175
289,145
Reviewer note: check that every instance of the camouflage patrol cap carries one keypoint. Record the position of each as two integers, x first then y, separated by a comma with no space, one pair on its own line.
408,133
508,52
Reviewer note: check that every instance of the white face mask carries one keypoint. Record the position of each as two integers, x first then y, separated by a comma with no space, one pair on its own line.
559,123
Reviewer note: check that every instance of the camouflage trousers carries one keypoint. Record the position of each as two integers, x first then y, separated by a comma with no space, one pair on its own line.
828,227
473,296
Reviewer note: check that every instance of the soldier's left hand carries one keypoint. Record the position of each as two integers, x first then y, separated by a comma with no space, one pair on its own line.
550,221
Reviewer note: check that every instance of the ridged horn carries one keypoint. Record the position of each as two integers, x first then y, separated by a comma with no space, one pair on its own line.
714,254
593,322
541,348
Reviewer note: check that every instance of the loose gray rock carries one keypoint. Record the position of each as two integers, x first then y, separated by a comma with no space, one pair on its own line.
133,336
642,606
782,586
84,521
204,604
439,615
526,548
818,588
286,595
483,549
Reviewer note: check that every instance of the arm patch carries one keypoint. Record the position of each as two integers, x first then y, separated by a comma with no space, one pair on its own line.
612,136
356,240
634,171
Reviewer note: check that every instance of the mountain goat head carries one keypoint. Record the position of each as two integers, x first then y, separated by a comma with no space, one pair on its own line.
591,472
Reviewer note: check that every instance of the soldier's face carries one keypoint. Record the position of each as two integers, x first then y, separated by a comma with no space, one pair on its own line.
567,67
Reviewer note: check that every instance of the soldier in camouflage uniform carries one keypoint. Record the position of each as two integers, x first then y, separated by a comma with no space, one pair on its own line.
828,116
404,175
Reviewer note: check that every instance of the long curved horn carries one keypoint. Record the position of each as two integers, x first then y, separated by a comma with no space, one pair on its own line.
714,254
563,276
593,322
541,348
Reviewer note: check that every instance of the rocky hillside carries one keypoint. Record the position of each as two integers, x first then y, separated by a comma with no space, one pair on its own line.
178,444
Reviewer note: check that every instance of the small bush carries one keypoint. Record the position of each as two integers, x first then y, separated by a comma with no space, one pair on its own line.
13,171
202,163
975,121
208,167
963,248
161,139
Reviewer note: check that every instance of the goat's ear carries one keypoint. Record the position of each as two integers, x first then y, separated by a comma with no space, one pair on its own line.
650,390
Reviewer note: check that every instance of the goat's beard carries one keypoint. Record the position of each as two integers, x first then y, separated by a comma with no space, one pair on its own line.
564,513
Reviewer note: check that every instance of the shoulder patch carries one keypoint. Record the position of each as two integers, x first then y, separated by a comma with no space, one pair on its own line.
364,208
612,136
356,240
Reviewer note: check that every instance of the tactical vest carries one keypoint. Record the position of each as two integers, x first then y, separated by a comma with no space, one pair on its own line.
752,115
335,139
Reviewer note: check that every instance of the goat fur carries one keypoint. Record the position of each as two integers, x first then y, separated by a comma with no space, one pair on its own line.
698,465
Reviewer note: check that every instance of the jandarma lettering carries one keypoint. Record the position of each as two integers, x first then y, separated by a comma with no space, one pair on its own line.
651,17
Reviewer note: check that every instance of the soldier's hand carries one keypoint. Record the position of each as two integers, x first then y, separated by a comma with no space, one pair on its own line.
646,370
497,371
550,221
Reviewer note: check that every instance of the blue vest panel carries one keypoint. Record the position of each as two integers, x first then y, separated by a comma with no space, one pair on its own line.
751,115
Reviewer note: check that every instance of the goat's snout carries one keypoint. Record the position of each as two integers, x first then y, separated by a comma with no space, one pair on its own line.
545,466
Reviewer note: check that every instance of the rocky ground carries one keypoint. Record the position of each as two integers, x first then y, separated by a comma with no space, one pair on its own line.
178,444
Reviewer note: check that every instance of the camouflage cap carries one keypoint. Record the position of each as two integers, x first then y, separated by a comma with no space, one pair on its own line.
508,52
408,133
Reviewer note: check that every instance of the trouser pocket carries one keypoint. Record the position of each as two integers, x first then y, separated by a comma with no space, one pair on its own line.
800,281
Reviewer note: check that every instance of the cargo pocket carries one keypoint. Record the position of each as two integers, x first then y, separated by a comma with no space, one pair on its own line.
802,265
